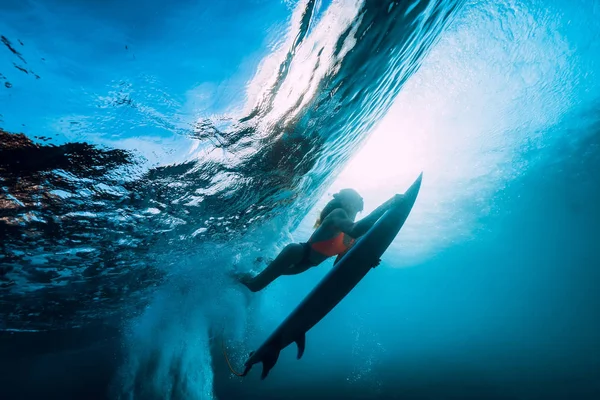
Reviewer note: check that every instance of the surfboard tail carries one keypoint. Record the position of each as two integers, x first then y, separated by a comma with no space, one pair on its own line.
268,357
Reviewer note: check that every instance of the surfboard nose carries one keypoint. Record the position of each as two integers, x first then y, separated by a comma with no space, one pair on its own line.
415,187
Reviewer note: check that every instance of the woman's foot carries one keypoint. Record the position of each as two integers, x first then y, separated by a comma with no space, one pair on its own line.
246,279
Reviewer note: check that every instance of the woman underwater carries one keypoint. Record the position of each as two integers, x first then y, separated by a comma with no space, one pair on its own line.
335,233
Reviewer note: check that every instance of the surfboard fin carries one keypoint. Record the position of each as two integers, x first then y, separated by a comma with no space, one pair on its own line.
269,361
301,342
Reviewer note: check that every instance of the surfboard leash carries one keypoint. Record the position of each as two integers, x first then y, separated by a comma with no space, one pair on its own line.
233,371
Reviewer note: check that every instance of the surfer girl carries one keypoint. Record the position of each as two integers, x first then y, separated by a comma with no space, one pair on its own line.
334,235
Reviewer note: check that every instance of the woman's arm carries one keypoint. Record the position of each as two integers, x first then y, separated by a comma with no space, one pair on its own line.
339,219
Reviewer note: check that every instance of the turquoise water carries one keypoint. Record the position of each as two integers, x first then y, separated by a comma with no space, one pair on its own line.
165,145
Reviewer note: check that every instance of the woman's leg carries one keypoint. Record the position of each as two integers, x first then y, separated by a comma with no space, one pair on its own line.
297,268
283,264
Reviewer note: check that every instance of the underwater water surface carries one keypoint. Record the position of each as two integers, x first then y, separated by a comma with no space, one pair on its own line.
148,149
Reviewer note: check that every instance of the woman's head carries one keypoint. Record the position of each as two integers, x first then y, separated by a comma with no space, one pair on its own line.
348,199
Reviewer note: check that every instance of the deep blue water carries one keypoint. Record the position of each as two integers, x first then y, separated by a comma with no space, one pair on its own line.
148,149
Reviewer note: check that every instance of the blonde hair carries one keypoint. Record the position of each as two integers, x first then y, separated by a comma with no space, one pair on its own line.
336,202
332,205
